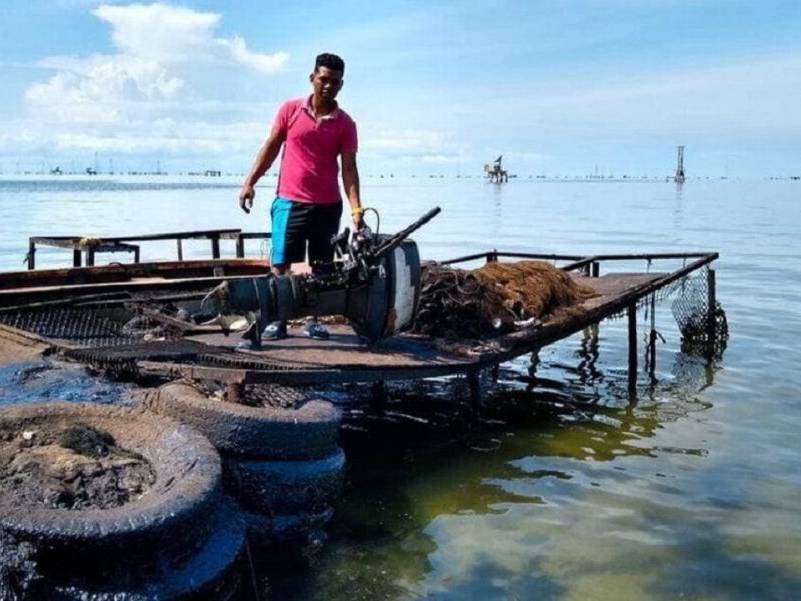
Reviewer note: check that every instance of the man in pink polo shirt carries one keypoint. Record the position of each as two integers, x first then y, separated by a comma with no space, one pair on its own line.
314,133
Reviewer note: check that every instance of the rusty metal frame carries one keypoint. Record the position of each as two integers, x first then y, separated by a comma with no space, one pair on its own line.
511,346
504,348
123,243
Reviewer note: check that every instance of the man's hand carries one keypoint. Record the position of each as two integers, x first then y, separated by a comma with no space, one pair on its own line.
358,219
246,197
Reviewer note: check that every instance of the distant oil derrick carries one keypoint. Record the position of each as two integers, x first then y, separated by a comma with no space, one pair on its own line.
495,172
679,177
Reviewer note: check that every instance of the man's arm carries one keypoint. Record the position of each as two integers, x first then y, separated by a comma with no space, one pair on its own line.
264,160
350,179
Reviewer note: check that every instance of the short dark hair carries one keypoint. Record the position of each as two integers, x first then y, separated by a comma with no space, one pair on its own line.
331,61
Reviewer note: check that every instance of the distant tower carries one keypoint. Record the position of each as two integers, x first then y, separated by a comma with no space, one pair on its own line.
679,177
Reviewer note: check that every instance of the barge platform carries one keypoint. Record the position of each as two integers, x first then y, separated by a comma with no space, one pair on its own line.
79,312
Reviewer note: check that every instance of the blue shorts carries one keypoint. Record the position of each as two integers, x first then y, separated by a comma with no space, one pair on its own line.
298,224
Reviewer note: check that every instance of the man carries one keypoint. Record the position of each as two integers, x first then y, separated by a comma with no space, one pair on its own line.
314,132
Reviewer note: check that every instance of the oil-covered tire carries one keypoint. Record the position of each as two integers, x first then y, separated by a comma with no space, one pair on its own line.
285,487
268,529
309,432
211,573
168,519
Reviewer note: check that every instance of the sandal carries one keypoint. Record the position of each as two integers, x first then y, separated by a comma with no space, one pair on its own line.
275,331
316,330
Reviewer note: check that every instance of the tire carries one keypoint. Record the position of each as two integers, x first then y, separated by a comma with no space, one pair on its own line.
309,432
265,529
168,520
285,487
209,574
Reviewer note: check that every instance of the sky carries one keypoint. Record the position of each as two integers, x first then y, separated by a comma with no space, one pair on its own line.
558,88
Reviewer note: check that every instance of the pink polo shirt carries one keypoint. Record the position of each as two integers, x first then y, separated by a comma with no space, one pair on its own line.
309,167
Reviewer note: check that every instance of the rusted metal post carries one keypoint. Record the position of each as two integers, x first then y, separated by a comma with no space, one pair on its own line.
180,245
215,247
711,303
235,392
240,247
31,254
535,363
76,257
378,397
632,315
474,383
652,339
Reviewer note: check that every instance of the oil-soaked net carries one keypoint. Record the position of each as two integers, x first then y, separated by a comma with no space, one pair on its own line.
492,300
692,313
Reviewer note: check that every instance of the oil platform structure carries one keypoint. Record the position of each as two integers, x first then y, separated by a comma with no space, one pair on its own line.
679,176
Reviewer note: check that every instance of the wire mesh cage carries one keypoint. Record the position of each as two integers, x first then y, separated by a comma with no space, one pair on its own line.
704,329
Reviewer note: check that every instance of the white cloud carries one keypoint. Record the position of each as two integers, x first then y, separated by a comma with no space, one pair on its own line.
266,63
159,30
153,93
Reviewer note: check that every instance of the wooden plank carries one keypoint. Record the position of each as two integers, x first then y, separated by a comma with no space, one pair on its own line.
187,328
65,302
18,336
67,276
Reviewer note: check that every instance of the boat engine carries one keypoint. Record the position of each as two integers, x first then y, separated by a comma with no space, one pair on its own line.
374,281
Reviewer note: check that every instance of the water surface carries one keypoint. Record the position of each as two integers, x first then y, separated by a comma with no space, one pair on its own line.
572,491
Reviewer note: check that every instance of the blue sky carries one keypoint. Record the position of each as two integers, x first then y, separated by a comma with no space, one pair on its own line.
435,87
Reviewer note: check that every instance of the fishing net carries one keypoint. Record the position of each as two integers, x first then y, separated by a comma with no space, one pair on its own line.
494,299
692,313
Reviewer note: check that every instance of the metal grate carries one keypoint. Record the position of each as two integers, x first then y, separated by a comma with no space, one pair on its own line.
692,312
232,360
157,350
80,326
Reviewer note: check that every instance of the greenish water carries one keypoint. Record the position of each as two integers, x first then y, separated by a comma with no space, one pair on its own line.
567,489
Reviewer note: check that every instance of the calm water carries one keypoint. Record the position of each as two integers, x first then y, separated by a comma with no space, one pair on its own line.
570,491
